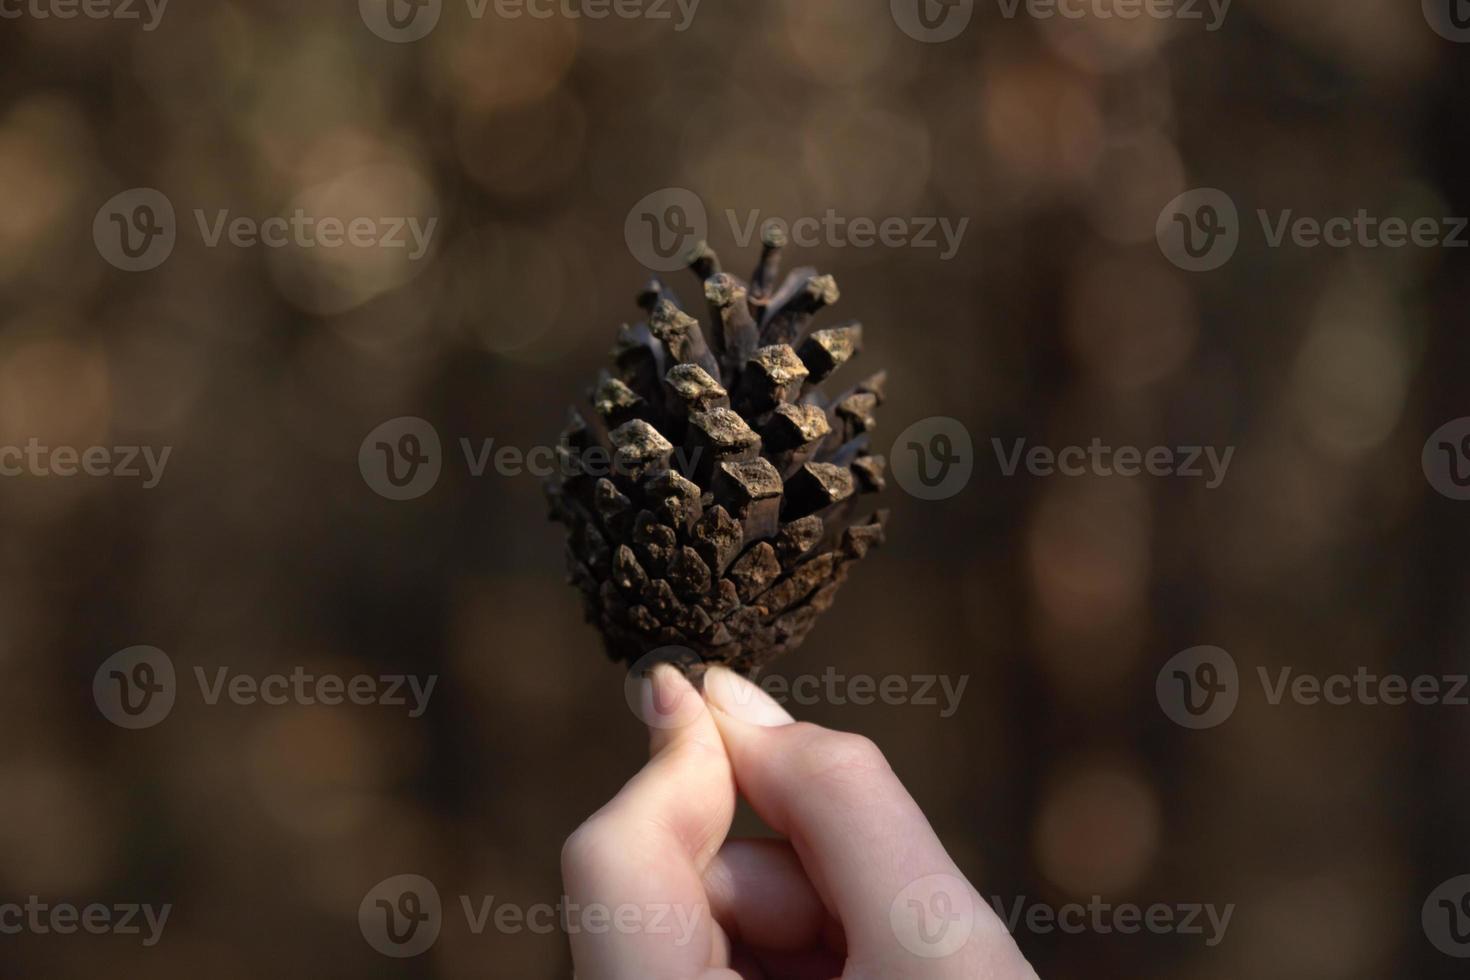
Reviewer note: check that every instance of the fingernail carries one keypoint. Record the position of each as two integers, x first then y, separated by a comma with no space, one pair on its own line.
743,700
666,699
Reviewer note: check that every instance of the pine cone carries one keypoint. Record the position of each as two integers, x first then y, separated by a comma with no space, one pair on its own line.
709,487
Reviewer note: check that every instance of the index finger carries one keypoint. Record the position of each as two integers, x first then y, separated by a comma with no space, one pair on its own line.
862,839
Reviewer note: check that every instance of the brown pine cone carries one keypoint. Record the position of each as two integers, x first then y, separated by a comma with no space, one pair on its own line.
709,487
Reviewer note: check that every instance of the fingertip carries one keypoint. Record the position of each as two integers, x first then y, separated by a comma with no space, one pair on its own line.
668,703
742,699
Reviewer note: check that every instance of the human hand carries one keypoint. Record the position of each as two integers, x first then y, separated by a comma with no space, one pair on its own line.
860,888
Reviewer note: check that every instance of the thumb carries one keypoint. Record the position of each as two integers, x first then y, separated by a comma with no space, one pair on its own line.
647,848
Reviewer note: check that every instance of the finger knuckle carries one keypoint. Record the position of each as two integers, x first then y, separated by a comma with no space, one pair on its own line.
584,846
840,758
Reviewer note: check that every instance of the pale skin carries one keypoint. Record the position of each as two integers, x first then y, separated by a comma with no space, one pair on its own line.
850,892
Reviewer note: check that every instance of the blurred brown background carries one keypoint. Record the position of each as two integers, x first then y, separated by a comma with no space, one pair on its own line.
1059,777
